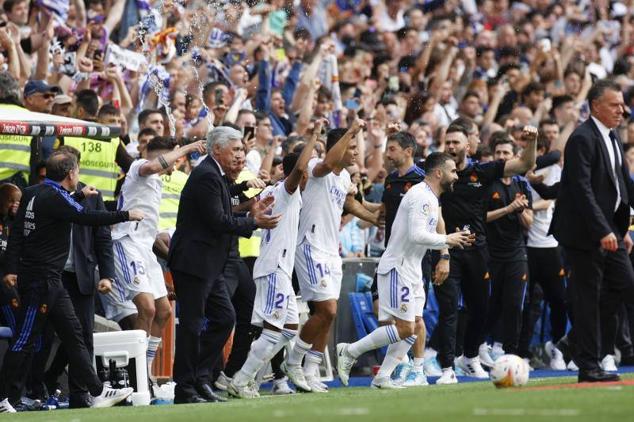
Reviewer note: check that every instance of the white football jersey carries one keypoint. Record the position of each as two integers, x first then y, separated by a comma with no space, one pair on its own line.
277,248
323,200
538,236
142,193
413,233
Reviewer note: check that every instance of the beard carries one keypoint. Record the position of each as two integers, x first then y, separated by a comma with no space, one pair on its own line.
446,186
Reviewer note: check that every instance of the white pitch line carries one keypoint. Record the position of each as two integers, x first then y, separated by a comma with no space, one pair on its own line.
525,412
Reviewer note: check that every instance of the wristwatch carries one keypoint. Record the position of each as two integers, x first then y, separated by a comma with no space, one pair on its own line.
445,256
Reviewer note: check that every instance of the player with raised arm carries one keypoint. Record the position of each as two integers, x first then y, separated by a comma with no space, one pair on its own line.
275,307
400,285
317,260
139,276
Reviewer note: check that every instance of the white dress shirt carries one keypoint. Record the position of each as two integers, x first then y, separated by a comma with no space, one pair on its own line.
605,134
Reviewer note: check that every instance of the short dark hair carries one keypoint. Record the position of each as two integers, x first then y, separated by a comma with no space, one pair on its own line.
59,164
471,94
8,5
455,127
501,138
466,123
533,87
560,100
334,135
435,160
161,143
89,102
289,161
108,110
259,116
210,87
599,87
145,114
547,121
404,140
147,131
70,150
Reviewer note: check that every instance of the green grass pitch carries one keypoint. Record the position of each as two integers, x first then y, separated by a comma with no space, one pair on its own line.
468,401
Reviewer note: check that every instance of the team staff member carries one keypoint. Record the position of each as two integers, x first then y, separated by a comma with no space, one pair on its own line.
197,257
465,207
38,248
509,214
590,221
90,247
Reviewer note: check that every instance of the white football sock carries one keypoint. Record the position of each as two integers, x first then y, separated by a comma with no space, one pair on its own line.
378,338
261,352
394,356
312,362
297,354
419,362
153,344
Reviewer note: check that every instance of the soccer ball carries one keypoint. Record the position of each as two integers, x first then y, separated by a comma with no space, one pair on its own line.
509,371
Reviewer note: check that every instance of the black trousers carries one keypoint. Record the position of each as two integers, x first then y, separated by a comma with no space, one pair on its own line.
242,291
508,286
84,306
600,282
468,274
206,318
42,301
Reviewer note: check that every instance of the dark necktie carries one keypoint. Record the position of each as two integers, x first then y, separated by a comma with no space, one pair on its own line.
618,173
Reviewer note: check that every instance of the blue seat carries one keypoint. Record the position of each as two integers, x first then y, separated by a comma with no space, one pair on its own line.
363,316
5,332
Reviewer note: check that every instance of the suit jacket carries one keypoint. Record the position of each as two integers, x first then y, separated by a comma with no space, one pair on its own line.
91,246
587,194
205,225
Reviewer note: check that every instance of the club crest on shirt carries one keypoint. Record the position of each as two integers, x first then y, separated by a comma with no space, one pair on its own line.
275,315
496,195
426,209
43,308
403,308
324,283
14,303
474,181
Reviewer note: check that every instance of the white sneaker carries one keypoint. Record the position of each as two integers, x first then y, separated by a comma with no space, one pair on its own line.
345,362
432,367
400,372
385,383
5,407
496,352
608,364
111,396
280,387
223,381
316,386
472,367
415,378
448,377
484,353
572,366
296,374
242,391
557,362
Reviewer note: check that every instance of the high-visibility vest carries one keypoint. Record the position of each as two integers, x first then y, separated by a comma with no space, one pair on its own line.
172,187
97,165
249,247
15,150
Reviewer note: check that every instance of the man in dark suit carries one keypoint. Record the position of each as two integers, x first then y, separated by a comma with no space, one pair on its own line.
591,221
198,253
90,246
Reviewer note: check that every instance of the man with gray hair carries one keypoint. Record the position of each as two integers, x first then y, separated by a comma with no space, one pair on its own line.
198,253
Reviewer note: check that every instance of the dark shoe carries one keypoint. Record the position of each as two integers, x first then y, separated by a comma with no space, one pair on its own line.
209,394
79,401
189,399
597,375
627,361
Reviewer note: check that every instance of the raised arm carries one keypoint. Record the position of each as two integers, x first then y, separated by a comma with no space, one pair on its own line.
293,180
526,160
163,162
336,153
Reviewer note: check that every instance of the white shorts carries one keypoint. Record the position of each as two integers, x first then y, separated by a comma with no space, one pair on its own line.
275,301
399,298
137,270
114,309
319,274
